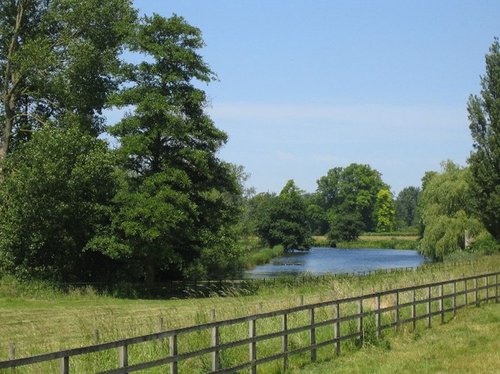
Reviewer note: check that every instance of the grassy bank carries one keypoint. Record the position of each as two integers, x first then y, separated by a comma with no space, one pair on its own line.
467,344
37,318
375,240
262,256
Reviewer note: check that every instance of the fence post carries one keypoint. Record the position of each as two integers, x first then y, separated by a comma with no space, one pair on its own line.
414,310
496,288
12,351
487,280
337,329
313,334
377,316
160,329
360,320
284,340
429,317
466,293
397,311
65,365
173,352
476,300
454,297
441,297
215,343
123,356
252,346
301,300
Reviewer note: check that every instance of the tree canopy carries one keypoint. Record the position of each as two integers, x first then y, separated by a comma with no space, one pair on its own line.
162,205
406,206
58,60
53,201
384,211
446,212
282,219
177,199
349,194
484,161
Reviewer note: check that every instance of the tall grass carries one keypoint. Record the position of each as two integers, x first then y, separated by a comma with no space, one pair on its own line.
262,256
382,242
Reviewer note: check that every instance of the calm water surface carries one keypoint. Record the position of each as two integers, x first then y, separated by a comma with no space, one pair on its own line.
336,260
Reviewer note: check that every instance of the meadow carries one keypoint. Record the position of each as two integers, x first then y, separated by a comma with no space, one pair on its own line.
467,344
38,318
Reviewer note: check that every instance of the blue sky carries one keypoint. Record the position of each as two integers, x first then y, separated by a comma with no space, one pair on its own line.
305,86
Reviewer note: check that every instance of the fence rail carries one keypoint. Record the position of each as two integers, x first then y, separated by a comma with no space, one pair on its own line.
389,309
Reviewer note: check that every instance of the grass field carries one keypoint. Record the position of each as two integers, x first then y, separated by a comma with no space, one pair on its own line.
469,343
38,319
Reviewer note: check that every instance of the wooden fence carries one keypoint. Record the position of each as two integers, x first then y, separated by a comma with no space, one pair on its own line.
388,309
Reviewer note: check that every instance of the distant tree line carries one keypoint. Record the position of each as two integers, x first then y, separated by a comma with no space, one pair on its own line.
347,202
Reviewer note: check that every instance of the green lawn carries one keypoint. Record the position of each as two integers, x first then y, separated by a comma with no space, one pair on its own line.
38,319
470,343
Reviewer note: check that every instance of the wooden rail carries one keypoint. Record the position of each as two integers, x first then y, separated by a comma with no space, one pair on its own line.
390,309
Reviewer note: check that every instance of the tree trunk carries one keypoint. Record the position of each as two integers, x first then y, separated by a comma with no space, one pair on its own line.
11,81
7,129
150,274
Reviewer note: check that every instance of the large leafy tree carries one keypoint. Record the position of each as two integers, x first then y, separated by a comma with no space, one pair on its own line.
57,62
350,192
385,211
446,214
484,117
53,200
282,219
177,202
406,206
344,226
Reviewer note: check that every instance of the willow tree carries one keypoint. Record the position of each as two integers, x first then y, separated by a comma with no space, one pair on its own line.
445,211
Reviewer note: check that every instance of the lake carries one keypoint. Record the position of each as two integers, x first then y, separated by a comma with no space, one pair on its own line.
336,260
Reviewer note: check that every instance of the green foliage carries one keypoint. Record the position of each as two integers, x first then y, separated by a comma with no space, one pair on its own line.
53,200
388,243
58,61
316,216
262,256
282,219
446,213
485,244
406,206
384,211
484,118
349,195
345,226
177,204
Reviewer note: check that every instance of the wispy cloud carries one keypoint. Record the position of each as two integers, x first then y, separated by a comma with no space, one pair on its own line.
362,114
285,156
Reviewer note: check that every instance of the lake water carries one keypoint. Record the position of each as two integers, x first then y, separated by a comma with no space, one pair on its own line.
336,260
